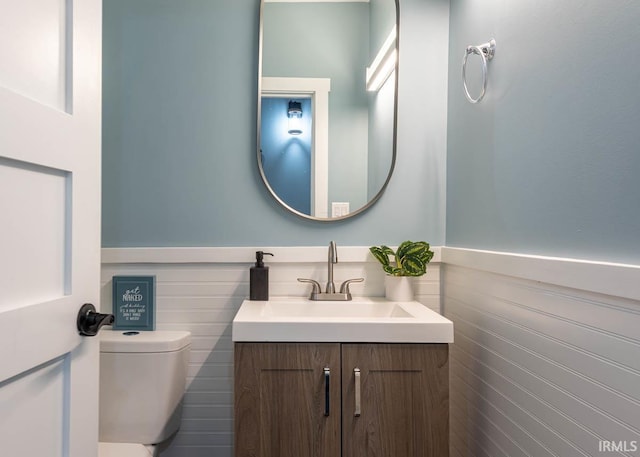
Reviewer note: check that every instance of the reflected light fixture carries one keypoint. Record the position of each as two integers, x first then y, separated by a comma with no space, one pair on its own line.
383,64
294,113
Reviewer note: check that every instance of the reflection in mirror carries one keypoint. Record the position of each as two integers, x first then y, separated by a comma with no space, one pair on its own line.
329,67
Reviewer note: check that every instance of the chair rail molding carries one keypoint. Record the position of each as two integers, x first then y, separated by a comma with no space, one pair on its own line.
620,280
287,254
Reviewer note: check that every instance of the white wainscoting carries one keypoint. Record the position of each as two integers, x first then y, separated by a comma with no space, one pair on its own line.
201,289
546,359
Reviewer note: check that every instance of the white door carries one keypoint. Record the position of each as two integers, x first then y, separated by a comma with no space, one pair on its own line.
50,78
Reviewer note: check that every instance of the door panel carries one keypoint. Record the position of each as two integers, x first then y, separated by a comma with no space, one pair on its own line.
36,51
280,400
38,397
50,68
403,400
35,57
35,233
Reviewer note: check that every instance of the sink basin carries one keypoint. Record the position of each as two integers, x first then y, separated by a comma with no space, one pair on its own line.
373,320
335,310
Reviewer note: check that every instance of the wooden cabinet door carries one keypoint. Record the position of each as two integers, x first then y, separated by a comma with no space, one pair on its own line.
281,400
404,400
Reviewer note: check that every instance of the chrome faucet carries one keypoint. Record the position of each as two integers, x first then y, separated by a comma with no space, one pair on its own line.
330,294
332,258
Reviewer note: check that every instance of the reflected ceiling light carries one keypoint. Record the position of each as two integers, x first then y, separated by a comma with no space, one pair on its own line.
384,63
294,113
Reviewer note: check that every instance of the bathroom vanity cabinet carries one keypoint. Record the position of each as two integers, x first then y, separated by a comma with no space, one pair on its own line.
341,399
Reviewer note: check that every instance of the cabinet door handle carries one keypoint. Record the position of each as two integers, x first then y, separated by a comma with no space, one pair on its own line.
356,372
327,379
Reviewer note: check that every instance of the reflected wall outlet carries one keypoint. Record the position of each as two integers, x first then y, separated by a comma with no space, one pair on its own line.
339,209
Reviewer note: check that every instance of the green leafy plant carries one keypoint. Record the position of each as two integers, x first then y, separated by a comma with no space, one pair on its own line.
410,259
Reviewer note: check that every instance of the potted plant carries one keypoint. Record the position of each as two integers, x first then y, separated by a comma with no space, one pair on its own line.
409,260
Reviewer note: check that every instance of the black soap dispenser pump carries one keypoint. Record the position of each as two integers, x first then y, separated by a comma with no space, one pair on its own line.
259,278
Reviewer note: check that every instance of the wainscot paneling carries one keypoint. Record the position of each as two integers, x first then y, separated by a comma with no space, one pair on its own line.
201,289
539,367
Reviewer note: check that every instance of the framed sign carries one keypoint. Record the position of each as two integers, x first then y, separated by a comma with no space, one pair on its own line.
134,302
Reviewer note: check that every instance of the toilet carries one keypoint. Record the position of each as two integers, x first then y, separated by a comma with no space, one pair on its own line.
142,381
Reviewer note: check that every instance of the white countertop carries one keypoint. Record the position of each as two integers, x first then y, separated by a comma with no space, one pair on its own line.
372,320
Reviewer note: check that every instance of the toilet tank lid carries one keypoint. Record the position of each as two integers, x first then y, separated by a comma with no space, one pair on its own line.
143,341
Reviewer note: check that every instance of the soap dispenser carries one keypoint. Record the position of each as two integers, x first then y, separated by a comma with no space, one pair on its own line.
259,278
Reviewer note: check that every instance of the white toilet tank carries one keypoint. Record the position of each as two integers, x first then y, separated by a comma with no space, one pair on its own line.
142,381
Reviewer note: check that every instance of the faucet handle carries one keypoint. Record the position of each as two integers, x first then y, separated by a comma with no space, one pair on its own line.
316,285
344,288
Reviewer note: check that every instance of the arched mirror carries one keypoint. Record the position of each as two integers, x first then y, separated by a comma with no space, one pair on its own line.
327,103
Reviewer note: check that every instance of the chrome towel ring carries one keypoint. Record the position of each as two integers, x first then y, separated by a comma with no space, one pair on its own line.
486,52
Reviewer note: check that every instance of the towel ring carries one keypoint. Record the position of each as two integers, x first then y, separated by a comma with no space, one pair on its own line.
486,52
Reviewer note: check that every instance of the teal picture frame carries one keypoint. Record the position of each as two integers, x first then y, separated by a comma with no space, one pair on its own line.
134,303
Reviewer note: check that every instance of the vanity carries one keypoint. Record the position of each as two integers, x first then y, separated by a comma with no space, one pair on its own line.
366,377
333,376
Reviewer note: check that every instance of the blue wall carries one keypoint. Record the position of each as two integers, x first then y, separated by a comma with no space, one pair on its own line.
548,162
382,19
179,140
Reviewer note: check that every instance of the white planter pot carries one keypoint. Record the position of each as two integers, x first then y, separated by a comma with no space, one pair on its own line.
398,288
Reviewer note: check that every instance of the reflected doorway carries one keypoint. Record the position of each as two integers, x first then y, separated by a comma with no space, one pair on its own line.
285,148
295,163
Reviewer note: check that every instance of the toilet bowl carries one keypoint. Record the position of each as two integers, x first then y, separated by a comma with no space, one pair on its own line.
142,382
125,450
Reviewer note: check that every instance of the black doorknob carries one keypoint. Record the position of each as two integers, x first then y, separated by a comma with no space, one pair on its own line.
89,321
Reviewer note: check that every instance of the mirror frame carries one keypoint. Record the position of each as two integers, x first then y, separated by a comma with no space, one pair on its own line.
377,196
